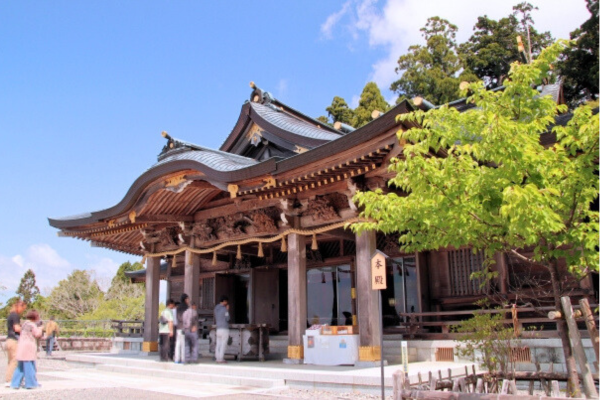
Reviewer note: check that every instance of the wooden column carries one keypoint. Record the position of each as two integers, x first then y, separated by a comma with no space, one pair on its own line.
191,280
588,317
589,387
169,270
151,315
502,269
367,301
296,295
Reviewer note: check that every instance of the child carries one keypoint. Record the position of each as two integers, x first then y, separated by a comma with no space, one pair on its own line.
27,352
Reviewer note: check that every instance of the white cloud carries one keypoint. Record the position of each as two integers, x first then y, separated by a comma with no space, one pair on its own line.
49,268
18,259
333,19
104,268
282,87
43,254
395,25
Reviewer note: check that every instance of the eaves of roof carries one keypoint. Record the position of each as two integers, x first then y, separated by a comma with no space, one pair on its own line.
346,142
219,167
222,168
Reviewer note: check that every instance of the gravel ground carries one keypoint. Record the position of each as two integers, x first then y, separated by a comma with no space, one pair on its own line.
59,364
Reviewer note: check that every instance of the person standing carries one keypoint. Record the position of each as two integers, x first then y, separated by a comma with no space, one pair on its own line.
51,334
27,352
190,328
172,338
165,330
222,334
13,324
179,356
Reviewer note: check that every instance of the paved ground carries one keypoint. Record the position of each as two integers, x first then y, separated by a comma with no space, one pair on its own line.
61,381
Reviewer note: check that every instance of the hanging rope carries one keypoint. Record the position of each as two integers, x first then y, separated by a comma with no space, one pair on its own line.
281,236
260,254
315,245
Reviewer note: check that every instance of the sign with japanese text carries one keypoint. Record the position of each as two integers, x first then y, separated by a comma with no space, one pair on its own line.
378,271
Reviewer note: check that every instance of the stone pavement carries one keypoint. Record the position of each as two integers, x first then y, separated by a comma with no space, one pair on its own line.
135,377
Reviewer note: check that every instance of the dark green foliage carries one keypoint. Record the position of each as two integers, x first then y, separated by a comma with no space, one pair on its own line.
431,71
125,267
370,100
580,66
28,289
324,119
493,47
340,111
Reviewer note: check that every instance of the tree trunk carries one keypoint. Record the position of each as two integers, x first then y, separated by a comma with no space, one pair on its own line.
573,386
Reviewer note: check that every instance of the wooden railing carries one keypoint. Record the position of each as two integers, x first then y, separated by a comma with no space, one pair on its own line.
127,328
415,323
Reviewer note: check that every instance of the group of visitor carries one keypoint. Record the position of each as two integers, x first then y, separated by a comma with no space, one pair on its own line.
22,345
178,331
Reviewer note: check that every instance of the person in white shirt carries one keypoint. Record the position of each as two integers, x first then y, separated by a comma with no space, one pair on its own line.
179,356
165,331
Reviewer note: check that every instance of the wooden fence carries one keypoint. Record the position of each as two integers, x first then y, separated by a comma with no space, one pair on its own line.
417,324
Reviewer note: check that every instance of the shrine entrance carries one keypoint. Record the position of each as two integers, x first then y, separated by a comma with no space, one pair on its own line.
254,297
401,295
329,295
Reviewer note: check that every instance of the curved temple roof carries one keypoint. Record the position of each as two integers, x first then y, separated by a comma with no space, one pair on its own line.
276,124
285,122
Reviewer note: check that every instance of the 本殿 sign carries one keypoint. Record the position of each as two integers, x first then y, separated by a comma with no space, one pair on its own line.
378,271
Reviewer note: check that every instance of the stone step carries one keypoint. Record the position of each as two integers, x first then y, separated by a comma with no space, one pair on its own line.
180,372
267,374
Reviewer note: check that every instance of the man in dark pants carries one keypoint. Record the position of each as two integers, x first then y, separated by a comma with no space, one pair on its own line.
190,329
165,330
13,323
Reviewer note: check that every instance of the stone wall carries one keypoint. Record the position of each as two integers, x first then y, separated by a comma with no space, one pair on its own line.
545,351
86,344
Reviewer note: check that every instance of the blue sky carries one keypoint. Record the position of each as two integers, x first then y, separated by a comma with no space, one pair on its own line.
87,87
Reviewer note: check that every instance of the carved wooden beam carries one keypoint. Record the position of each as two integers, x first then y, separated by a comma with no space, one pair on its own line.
340,233
165,218
309,221
242,206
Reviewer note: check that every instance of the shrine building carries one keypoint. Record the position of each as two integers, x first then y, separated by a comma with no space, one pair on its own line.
264,221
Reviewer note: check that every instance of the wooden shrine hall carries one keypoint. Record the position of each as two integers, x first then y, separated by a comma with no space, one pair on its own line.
264,221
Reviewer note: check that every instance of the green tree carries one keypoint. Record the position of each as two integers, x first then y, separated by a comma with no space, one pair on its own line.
340,111
493,186
4,311
324,119
431,71
493,46
75,296
485,338
370,100
124,300
28,290
125,267
580,64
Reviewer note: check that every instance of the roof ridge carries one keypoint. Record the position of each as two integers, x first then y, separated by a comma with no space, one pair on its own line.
178,144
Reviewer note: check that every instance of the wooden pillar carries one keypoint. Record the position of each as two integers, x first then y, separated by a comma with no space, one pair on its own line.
191,279
502,269
168,278
151,315
589,386
296,295
368,303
